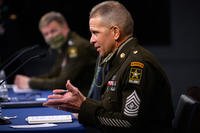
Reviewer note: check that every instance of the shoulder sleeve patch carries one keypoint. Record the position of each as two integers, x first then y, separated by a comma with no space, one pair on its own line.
135,75
138,64
72,52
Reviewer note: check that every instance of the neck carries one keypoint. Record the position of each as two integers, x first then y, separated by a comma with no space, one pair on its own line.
122,40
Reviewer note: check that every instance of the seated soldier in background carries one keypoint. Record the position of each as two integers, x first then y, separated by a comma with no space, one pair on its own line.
75,57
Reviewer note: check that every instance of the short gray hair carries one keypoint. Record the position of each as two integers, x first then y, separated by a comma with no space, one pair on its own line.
114,13
50,17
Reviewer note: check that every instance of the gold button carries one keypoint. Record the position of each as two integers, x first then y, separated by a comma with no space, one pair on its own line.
122,55
135,51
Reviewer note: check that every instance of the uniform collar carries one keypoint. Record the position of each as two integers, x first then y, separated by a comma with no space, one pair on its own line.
107,58
116,51
122,54
121,46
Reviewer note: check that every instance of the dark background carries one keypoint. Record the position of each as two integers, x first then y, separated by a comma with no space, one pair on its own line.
168,28
151,19
151,26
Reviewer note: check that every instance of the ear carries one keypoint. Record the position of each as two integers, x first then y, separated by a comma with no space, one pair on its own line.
116,32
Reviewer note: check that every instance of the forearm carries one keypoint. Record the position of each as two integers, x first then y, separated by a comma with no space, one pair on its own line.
92,113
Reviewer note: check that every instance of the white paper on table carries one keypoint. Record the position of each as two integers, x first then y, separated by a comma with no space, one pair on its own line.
34,126
18,90
48,119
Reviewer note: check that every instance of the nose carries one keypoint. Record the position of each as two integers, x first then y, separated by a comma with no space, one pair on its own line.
49,35
92,40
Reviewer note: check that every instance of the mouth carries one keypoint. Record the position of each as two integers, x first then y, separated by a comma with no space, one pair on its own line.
98,48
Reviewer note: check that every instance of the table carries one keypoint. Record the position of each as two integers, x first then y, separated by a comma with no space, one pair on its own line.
22,113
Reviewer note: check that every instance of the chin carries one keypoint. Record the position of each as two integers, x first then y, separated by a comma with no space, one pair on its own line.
103,55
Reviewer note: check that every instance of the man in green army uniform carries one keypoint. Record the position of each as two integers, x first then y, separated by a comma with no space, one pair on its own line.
133,93
75,57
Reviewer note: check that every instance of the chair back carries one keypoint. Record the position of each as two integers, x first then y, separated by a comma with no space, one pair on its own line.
187,115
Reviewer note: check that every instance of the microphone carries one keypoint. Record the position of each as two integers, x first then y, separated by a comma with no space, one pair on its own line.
42,55
10,60
4,121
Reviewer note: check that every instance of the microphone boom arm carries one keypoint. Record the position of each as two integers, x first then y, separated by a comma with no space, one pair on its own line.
20,66
24,51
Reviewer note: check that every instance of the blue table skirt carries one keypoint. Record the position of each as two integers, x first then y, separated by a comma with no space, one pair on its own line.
22,113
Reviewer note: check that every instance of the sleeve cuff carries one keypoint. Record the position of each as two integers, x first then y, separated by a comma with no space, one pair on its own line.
87,114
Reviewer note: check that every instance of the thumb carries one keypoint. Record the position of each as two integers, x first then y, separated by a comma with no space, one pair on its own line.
70,87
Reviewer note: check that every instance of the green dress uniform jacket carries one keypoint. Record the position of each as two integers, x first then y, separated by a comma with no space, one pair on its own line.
135,96
76,62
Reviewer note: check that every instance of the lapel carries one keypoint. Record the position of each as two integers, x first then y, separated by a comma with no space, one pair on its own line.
119,59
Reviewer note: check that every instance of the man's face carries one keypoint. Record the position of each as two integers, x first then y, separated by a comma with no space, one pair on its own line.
101,37
51,30
54,34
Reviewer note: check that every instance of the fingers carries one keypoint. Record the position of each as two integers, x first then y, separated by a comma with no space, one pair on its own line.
59,91
53,102
16,79
67,101
60,106
70,87
55,96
